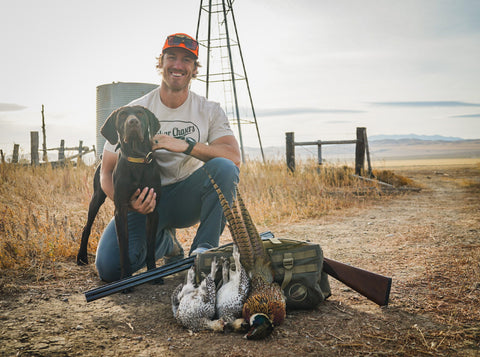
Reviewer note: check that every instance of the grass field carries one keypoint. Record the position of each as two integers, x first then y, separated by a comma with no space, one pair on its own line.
427,241
427,162
44,209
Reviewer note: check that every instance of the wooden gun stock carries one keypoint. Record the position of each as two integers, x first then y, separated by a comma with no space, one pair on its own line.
374,287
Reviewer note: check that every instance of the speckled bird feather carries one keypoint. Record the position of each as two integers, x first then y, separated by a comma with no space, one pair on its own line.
234,290
194,306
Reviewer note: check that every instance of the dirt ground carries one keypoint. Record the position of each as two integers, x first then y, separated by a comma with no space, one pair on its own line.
428,242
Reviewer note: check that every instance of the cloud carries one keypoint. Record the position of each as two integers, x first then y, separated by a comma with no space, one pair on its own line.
427,104
466,116
11,107
293,111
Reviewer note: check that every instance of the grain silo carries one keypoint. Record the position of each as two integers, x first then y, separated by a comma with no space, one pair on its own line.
114,95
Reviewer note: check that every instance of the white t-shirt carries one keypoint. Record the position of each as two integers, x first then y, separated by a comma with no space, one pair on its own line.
198,118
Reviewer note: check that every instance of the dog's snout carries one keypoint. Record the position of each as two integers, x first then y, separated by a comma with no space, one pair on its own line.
133,128
132,120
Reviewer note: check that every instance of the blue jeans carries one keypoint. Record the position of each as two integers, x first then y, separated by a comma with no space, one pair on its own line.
182,204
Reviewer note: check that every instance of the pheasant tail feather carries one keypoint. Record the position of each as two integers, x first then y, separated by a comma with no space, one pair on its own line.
243,238
236,227
252,231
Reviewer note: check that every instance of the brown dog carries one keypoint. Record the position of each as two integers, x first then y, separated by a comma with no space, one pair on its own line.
131,128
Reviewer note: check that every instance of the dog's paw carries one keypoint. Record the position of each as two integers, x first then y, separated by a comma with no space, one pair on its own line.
82,260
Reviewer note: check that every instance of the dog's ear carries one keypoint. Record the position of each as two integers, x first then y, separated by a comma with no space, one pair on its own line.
153,123
109,129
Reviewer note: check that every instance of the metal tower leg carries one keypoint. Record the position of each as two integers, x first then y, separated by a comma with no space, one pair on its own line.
224,7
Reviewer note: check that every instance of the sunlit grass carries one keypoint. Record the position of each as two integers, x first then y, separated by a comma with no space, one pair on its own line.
43,210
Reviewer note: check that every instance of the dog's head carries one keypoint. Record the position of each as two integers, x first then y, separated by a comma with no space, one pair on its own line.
130,124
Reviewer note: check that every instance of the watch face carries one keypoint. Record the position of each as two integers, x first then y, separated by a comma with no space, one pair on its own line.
191,143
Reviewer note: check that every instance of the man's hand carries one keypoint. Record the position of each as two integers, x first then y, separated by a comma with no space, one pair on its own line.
225,146
162,141
143,201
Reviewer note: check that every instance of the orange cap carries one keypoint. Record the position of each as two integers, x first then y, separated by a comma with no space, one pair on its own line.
181,40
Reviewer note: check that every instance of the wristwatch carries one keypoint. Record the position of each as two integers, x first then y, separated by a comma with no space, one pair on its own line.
191,143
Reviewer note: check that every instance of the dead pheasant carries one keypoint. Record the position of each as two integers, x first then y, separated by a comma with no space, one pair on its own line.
265,306
194,306
234,290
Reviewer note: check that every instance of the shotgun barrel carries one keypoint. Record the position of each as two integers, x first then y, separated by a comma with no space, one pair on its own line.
142,278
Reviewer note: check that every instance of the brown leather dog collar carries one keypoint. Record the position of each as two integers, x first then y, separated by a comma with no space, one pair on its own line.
141,160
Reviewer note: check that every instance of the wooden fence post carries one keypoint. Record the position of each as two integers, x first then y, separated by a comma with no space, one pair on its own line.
290,150
44,144
80,150
16,147
360,151
34,148
3,156
61,151
319,151
367,151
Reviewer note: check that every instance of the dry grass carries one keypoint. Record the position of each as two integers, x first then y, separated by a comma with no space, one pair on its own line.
415,164
427,242
43,212
44,209
276,195
388,176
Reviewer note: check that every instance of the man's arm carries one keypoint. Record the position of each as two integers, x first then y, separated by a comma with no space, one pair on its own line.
225,146
109,160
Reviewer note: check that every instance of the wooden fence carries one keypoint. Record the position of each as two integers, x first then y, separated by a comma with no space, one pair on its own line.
61,160
361,150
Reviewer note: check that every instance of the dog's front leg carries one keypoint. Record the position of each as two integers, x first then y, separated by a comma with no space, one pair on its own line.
152,224
121,224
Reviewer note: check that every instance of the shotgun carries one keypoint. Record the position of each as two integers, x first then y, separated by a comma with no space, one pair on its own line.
373,286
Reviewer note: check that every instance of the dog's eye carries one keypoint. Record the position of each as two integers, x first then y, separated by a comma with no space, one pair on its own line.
122,115
139,114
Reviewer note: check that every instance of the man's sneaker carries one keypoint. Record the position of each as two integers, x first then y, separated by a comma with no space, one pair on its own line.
202,247
176,253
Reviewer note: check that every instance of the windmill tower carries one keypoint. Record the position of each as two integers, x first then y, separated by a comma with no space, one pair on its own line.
226,79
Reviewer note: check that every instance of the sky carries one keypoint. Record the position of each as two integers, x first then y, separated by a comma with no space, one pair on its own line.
316,68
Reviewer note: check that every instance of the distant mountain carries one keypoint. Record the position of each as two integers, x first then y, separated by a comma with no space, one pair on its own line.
414,136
